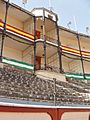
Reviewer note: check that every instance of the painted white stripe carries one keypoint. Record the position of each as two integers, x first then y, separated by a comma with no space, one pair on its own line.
1,28
18,35
87,77
41,40
75,76
71,53
86,56
17,64
52,43
42,106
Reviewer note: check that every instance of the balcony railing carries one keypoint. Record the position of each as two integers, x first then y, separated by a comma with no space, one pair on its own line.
16,31
25,35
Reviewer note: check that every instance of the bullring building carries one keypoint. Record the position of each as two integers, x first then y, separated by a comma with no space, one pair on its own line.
41,61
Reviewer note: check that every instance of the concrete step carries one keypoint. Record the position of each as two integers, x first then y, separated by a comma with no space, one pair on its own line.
50,75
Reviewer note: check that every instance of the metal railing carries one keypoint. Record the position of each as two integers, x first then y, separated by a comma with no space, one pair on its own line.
49,39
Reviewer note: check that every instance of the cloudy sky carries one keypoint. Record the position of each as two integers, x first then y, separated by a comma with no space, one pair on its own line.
67,10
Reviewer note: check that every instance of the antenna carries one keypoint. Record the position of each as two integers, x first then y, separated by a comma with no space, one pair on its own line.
68,24
75,23
50,5
87,30
24,2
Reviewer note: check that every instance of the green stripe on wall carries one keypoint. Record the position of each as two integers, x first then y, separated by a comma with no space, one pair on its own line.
18,63
77,76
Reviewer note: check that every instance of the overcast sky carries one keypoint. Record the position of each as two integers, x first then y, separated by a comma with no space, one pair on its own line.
67,10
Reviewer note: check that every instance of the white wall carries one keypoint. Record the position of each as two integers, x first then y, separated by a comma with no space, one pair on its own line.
75,66
12,53
87,67
73,43
11,20
2,15
28,26
2,9
65,66
14,22
24,116
53,60
52,34
27,55
85,45
75,116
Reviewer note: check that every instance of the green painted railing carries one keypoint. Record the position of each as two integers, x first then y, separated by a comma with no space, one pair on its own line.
17,63
77,76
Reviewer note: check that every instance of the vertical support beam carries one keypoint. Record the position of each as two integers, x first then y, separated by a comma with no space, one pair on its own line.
81,57
89,117
4,29
34,44
59,48
44,38
54,80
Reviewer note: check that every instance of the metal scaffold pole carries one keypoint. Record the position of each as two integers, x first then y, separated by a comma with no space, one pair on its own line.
44,38
81,57
34,44
4,29
59,48
54,80
79,45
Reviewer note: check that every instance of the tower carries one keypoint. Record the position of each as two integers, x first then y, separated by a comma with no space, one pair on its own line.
48,55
